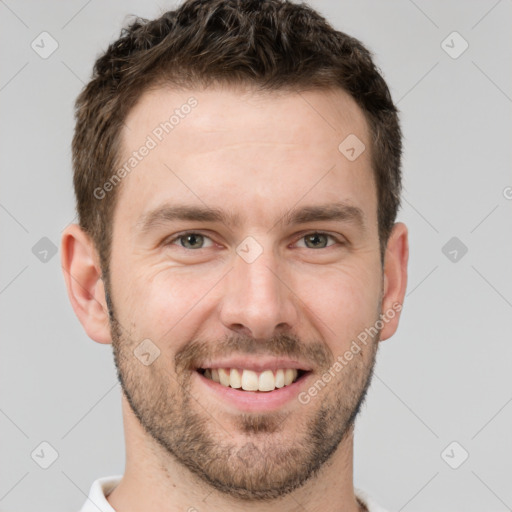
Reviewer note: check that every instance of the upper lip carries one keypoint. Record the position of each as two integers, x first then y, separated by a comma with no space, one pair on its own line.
256,364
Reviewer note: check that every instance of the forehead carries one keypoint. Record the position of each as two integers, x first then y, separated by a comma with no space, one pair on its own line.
254,154
246,113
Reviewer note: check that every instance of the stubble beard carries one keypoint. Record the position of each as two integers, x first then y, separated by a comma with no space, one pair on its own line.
274,453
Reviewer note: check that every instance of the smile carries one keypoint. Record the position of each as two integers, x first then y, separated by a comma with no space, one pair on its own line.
250,380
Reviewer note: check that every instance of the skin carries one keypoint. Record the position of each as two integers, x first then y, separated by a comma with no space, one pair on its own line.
258,156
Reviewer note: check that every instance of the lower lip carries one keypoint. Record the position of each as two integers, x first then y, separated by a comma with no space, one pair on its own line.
254,401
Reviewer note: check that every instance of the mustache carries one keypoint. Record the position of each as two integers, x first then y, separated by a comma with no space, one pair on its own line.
194,353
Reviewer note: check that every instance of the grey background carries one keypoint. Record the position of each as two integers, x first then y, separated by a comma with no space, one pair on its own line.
445,376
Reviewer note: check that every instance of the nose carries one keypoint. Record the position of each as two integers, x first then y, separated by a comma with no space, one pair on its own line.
258,301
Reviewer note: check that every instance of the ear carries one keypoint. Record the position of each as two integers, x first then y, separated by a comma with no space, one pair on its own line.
395,279
82,272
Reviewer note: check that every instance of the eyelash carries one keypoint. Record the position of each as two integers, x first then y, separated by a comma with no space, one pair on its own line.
184,234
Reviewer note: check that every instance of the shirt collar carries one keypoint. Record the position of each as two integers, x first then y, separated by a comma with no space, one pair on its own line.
101,488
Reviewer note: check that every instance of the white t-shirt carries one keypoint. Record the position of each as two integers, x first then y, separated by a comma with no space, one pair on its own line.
97,501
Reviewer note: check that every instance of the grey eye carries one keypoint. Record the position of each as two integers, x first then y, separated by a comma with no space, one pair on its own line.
192,240
316,240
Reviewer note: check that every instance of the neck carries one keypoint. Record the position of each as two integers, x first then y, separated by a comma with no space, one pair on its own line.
154,480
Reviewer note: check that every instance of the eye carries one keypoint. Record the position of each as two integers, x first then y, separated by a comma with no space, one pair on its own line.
318,240
195,241
190,240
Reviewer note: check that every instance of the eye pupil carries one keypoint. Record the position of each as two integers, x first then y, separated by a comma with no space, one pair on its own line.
315,237
189,239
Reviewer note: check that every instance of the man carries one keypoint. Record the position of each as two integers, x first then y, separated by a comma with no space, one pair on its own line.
237,174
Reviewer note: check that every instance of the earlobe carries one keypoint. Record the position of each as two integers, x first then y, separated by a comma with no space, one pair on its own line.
85,287
395,279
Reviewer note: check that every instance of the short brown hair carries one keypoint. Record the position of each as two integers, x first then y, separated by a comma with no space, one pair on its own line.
269,44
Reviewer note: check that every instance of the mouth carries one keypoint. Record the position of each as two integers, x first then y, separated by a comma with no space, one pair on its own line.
244,379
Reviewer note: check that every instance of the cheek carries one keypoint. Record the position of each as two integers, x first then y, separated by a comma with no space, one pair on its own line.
341,302
161,299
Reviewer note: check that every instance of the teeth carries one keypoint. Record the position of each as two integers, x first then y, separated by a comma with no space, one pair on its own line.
235,380
279,378
266,381
289,375
249,380
224,377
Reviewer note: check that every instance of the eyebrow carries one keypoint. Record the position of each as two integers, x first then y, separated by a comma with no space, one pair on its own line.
340,212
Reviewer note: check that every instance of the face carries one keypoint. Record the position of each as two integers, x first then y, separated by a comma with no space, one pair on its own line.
245,249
